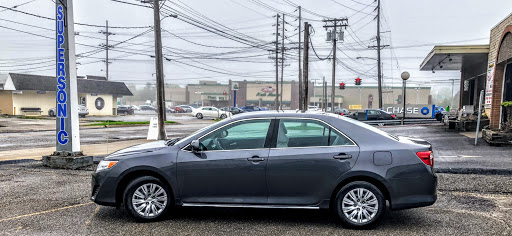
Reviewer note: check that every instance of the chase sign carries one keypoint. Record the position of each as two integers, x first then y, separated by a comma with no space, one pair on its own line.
413,110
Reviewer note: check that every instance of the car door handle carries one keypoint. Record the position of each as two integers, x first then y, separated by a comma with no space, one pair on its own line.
342,156
255,159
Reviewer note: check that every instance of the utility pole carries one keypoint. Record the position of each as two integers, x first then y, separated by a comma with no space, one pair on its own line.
301,105
107,46
276,101
159,71
378,56
379,47
335,23
306,65
282,64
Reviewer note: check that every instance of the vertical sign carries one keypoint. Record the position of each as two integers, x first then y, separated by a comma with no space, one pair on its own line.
488,84
67,136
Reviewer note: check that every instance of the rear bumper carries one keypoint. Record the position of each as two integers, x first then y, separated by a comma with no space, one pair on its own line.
414,192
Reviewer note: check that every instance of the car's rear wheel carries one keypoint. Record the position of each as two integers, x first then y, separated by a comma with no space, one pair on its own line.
52,114
199,116
147,198
125,113
359,205
223,116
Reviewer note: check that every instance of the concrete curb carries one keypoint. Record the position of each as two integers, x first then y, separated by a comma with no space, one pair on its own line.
475,171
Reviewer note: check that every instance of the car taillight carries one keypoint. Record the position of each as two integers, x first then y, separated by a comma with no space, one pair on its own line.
393,116
341,113
427,157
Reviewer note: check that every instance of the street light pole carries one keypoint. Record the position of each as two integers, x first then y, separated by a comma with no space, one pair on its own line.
405,76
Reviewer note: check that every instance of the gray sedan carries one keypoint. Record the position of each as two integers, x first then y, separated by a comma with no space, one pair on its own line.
273,160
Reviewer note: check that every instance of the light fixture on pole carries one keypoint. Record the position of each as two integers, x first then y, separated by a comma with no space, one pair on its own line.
405,76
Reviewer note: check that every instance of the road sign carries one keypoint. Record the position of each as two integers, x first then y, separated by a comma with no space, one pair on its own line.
235,86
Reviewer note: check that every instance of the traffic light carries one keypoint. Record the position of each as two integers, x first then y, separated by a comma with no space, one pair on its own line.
358,81
342,85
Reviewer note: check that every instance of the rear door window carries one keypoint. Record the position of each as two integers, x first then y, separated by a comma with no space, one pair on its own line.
308,133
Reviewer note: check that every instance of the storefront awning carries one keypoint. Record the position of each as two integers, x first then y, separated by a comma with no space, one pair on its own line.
451,57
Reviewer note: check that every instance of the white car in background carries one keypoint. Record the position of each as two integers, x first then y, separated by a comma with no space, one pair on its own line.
82,111
210,112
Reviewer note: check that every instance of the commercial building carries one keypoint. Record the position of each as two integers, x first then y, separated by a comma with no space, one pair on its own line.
21,91
482,67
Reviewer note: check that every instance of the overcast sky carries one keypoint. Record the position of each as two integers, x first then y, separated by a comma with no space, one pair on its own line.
410,27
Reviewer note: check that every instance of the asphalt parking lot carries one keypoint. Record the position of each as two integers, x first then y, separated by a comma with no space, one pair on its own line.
41,201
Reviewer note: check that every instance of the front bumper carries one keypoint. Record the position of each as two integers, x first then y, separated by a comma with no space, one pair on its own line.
103,189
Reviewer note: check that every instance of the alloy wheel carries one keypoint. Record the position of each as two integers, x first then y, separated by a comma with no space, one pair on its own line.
360,205
149,200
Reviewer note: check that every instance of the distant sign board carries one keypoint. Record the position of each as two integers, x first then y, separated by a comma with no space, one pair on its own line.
355,107
488,86
153,129
412,110
235,86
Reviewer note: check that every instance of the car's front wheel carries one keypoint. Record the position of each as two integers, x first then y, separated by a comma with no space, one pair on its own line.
147,198
359,205
223,116
199,116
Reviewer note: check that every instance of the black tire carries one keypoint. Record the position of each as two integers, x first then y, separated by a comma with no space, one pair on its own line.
223,116
133,186
52,114
199,116
125,113
344,219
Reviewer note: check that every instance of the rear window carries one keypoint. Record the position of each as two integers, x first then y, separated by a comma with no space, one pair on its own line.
367,126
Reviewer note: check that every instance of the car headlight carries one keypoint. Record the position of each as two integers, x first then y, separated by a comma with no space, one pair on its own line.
104,165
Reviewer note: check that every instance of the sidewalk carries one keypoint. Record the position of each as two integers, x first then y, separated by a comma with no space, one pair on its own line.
90,149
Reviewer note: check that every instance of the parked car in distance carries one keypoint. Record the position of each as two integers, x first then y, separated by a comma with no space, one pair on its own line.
125,110
233,110
313,108
210,112
170,110
82,111
341,111
251,108
135,107
186,108
147,108
372,114
178,109
273,160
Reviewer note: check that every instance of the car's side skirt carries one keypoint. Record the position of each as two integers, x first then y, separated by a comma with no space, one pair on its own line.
249,206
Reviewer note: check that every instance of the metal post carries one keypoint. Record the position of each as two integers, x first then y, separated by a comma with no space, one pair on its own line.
479,115
159,71
234,99
404,91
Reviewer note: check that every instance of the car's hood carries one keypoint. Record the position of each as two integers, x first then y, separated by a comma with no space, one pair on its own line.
141,148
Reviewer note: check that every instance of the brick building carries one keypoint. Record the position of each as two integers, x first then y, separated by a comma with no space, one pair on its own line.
499,72
482,67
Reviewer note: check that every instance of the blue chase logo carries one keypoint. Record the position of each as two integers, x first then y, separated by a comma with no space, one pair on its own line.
62,96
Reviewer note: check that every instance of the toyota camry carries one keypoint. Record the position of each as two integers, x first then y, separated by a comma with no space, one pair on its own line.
273,160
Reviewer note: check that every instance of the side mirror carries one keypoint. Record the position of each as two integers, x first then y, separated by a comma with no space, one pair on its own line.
196,145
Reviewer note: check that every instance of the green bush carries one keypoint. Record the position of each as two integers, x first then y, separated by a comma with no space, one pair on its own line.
507,104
